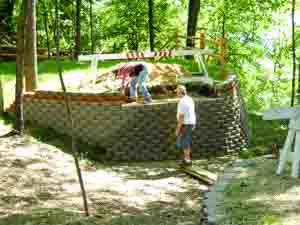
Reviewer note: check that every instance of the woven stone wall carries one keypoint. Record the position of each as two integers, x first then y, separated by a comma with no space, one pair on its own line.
140,132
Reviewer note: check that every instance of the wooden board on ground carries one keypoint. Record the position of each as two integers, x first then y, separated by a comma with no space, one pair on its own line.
199,173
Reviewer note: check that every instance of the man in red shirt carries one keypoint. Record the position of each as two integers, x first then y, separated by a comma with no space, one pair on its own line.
133,74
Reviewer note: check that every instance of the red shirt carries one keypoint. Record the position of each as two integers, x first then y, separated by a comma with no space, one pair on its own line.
126,71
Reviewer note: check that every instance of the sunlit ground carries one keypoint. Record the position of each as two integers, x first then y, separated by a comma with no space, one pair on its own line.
39,181
258,196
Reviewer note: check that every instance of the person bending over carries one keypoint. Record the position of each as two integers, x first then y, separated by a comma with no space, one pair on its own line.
134,74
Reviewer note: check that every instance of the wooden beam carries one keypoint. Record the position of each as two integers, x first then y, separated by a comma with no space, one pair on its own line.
280,113
200,174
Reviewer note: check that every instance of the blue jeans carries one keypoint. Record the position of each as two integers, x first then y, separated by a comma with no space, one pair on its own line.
141,81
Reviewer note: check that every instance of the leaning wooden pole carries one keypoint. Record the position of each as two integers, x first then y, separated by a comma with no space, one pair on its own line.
294,54
1,96
69,112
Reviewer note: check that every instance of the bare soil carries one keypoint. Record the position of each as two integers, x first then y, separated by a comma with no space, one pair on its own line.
39,186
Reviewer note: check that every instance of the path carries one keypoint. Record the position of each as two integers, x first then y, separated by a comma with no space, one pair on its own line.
36,175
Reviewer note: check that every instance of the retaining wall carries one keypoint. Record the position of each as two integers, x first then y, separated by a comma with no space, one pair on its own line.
121,131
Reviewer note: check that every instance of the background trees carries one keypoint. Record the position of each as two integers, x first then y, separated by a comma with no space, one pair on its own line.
258,34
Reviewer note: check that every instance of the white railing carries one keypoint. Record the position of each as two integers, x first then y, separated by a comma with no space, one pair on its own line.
197,53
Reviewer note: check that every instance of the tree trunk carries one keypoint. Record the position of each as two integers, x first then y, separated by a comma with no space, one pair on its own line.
19,122
69,112
91,24
46,28
294,53
1,96
298,91
223,25
30,59
151,26
77,41
194,8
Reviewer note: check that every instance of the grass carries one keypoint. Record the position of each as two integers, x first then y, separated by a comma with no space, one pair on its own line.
48,69
259,197
251,198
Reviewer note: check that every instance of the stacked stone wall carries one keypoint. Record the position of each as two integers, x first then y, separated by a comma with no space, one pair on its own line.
121,131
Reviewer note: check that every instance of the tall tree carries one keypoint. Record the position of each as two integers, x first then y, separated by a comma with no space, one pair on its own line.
45,18
19,122
91,27
78,29
294,53
151,25
30,59
193,11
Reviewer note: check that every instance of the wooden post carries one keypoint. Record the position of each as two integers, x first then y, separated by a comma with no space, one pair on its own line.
222,49
94,70
202,40
1,96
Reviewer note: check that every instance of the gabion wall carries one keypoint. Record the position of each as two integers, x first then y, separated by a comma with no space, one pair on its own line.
140,132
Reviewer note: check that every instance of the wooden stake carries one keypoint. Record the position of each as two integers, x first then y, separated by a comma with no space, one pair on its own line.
202,40
1,96
222,43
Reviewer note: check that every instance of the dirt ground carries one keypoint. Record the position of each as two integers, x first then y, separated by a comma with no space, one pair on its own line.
39,181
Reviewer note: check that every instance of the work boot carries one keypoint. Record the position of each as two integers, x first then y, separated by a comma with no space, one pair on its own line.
186,162
131,99
147,100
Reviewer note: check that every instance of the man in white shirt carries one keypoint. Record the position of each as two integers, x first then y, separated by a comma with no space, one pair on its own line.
186,121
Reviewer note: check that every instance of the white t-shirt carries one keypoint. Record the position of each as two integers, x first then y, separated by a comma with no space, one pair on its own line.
187,107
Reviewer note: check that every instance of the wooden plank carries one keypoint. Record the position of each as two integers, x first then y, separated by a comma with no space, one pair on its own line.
280,113
201,79
200,174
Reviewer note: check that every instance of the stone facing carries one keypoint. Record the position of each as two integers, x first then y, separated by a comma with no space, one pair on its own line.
124,132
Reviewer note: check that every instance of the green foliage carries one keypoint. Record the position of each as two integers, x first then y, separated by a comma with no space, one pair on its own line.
266,133
257,33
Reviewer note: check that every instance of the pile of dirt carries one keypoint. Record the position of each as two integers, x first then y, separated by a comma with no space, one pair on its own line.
163,81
